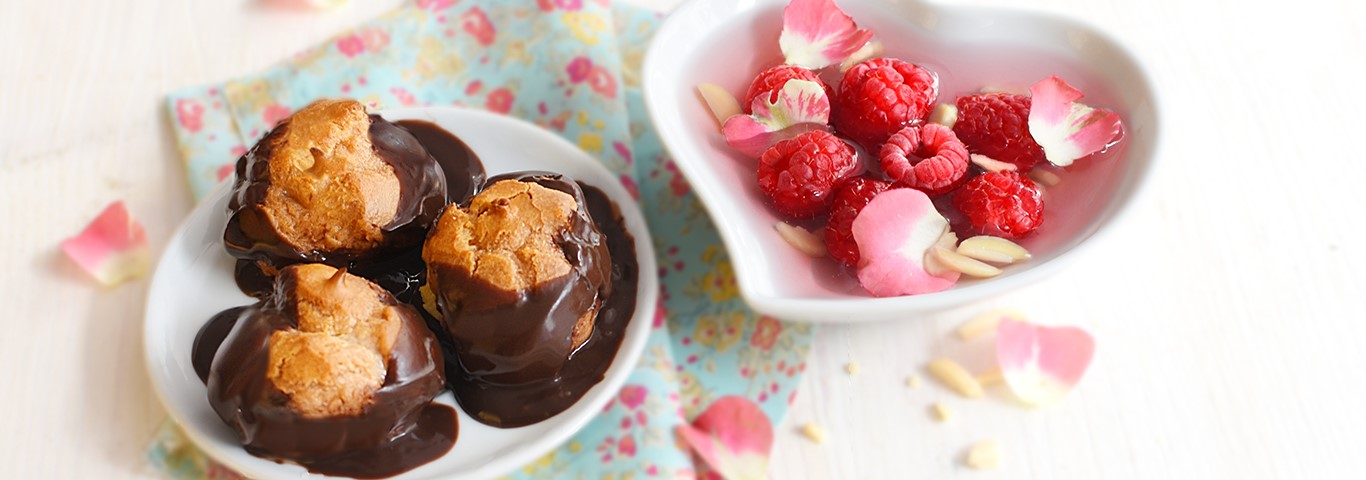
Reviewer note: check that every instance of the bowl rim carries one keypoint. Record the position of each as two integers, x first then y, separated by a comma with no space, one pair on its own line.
634,341
847,310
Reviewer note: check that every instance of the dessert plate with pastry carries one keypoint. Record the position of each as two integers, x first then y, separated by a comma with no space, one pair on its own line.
412,293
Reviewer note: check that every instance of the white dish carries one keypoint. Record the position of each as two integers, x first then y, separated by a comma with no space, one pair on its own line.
729,43
194,280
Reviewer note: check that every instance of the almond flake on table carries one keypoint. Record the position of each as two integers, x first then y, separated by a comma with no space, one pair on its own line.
954,376
984,455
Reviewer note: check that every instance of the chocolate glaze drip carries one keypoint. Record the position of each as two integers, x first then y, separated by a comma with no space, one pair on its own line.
510,363
391,432
210,337
252,239
464,172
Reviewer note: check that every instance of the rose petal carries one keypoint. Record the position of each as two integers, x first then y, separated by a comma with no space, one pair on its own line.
1041,364
733,437
313,4
113,248
801,106
817,34
893,233
1065,128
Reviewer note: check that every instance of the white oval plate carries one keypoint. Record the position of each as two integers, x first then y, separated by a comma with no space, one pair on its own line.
728,43
194,280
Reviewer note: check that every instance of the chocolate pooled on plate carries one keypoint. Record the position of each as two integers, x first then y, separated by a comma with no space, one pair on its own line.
332,184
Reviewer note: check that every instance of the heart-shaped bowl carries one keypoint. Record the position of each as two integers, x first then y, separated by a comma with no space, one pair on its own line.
194,280
728,43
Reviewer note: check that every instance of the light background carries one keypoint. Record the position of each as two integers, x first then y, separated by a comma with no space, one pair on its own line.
1230,310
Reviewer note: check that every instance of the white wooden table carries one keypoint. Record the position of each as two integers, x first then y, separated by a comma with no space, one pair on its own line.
1230,311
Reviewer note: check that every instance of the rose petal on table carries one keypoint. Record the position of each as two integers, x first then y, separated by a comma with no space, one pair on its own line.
311,4
817,34
1040,363
801,106
893,234
1065,128
113,248
733,436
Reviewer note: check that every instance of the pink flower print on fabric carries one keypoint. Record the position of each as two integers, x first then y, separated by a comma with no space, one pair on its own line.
274,113
351,45
500,100
477,24
190,114
578,69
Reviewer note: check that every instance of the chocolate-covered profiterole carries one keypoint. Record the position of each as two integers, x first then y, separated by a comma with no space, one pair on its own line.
328,369
335,185
519,276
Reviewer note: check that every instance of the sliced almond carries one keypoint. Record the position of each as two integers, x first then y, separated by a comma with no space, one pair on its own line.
814,433
956,377
992,249
942,412
852,368
1045,177
967,266
932,265
984,455
869,50
991,377
913,382
990,164
1003,89
722,104
801,239
980,325
945,114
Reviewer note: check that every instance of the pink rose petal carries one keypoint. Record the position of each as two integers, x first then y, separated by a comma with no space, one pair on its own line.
801,106
893,233
113,248
1065,128
817,34
1041,364
733,437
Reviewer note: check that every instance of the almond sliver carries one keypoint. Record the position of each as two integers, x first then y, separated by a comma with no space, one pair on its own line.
984,455
990,164
945,114
956,377
801,239
967,266
992,249
932,265
722,104
1045,177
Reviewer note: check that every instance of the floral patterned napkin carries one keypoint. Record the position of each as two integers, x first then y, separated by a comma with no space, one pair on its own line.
572,67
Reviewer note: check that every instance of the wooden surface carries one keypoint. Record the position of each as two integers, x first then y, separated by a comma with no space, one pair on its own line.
1230,310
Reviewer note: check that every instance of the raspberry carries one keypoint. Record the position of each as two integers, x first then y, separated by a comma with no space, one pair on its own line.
798,174
1006,204
879,96
928,158
997,125
773,80
850,198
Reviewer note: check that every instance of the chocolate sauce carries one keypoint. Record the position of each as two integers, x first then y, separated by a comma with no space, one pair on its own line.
208,339
503,391
391,431
464,172
251,236
402,431
432,437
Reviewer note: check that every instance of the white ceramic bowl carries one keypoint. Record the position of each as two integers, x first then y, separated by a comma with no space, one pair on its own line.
729,43
194,280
